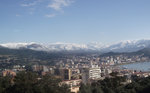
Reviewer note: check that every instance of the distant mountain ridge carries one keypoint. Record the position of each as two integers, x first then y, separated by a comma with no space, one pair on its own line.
125,46
129,46
143,52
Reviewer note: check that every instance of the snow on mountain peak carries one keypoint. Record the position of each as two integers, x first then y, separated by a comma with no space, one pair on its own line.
16,45
124,46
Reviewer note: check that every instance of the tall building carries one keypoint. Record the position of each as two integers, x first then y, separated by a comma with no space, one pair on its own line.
85,75
94,73
65,74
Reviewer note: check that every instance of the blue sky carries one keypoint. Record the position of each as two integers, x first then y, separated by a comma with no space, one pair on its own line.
74,21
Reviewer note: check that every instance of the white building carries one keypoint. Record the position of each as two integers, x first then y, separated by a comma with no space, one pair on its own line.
94,73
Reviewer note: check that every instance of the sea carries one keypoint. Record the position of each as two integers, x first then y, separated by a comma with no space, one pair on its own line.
139,66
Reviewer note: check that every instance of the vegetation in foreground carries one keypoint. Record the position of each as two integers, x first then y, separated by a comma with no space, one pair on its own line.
117,84
28,82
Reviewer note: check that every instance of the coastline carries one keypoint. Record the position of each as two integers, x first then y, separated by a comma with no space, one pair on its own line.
145,67
128,63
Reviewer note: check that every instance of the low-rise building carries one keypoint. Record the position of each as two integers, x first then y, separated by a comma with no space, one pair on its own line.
8,73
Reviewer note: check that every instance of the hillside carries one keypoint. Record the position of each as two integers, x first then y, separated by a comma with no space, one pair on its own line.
123,46
145,52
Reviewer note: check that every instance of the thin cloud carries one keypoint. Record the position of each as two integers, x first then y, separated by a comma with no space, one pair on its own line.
17,30
31,4
56,5
17,15
50,15
59,4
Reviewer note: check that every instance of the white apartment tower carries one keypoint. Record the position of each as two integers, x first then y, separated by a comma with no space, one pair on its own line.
93,72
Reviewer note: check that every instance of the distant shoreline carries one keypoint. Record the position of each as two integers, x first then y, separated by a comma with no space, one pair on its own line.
128,63
147,68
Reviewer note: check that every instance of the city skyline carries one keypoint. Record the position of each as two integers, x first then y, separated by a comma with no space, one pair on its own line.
74,21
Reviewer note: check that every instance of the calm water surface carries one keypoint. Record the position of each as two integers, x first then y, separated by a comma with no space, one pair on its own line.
143,66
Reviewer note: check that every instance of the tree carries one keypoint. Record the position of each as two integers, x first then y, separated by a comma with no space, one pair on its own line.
24,82
49,84
5,83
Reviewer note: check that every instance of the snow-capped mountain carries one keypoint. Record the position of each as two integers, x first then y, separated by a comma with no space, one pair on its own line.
51,47
129,46
125,46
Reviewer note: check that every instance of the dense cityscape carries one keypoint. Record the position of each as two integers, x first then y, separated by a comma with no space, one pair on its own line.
74,46
74,70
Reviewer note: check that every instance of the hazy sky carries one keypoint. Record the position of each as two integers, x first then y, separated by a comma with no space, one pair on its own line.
74,21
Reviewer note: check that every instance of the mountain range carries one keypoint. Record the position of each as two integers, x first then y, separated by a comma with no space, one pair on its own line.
125,46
